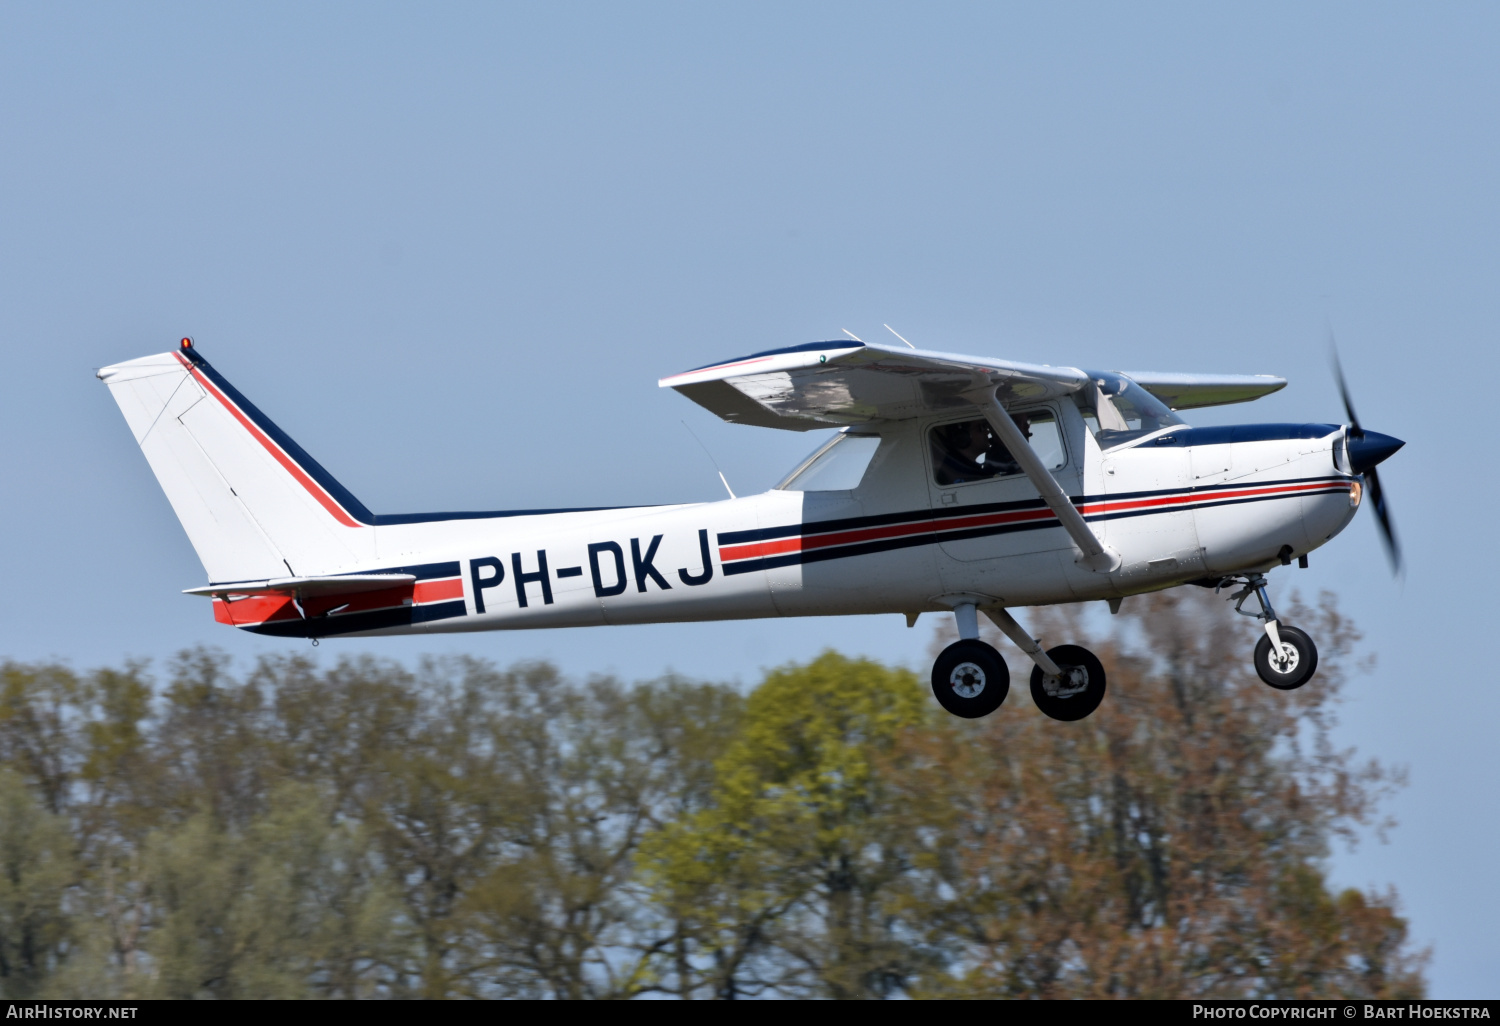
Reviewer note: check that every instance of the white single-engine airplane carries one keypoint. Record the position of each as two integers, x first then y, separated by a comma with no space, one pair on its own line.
956,483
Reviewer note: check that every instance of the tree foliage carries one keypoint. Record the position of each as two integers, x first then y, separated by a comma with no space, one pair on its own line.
1170,845
454,830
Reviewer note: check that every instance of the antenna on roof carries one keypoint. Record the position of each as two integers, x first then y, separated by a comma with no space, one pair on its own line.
893,331
711,460
852,335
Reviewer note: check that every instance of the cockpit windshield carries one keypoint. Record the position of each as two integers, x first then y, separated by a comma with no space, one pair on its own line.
1120,411
839,464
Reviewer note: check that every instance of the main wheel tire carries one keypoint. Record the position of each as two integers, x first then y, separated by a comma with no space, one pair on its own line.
1298,663
970,679
1071,660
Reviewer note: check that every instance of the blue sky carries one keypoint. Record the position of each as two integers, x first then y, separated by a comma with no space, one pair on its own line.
450,248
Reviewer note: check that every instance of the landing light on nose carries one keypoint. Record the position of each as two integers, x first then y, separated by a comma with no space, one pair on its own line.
1371,449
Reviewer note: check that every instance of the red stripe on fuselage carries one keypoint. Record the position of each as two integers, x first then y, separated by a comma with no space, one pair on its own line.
822,541
805,543
1094,508
290,465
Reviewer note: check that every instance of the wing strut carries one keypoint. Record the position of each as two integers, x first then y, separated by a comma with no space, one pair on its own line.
1096,555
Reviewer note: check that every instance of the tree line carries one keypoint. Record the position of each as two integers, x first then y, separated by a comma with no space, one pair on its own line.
364,829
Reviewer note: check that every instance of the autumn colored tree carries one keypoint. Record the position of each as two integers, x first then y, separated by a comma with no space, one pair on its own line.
1171,845
451,829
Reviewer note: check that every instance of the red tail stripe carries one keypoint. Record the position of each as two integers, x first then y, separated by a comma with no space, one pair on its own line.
267,606
313,488
436,591
255,609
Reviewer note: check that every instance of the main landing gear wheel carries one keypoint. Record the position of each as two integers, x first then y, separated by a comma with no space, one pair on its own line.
1078,692
970,679
1294,666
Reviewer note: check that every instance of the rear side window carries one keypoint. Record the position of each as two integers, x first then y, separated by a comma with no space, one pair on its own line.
969,450
836,466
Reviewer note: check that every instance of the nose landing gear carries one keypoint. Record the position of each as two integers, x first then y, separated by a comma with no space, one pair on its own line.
1285,657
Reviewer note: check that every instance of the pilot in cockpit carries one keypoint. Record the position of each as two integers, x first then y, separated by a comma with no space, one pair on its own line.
969,451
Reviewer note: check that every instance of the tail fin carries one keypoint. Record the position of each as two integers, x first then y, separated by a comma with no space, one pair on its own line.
253,503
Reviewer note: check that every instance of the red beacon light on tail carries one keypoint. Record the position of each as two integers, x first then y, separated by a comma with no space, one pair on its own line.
187,343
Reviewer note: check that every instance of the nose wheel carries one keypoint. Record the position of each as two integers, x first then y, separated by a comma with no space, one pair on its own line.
1292,664
1285,657
970,679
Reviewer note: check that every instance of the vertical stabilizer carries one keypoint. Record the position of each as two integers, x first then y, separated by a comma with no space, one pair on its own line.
253,503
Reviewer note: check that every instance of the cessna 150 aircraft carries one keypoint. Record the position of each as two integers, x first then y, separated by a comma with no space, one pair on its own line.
956,483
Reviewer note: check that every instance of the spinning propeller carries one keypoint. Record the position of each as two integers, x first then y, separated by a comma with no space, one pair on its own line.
1368,449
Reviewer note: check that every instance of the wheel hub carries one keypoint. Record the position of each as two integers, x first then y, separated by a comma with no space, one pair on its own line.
1074,681
1286,660
967,680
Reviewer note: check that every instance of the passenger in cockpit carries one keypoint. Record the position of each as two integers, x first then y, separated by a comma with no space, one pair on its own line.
969,451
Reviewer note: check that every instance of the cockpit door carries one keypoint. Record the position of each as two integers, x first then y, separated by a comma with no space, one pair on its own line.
984,506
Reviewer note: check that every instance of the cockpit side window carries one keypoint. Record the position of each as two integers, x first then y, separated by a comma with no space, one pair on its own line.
1121,411
968,450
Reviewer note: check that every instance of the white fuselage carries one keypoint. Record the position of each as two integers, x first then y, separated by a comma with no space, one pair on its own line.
1182,505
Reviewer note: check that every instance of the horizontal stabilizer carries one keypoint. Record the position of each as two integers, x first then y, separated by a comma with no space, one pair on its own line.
346,584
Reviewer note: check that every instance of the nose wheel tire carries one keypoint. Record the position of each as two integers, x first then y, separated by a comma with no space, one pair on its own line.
1078,692
970,679
1293,666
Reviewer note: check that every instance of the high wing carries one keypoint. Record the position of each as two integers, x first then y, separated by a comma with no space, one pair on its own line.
831,384
1191,391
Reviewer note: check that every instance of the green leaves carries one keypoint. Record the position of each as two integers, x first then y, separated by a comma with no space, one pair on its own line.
782,880
36,870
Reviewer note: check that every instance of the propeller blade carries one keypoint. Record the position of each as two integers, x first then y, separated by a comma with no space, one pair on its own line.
1355,431
1366,450
1383,516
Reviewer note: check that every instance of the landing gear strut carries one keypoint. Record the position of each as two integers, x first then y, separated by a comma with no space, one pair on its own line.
970,678
1285,657
1067,682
